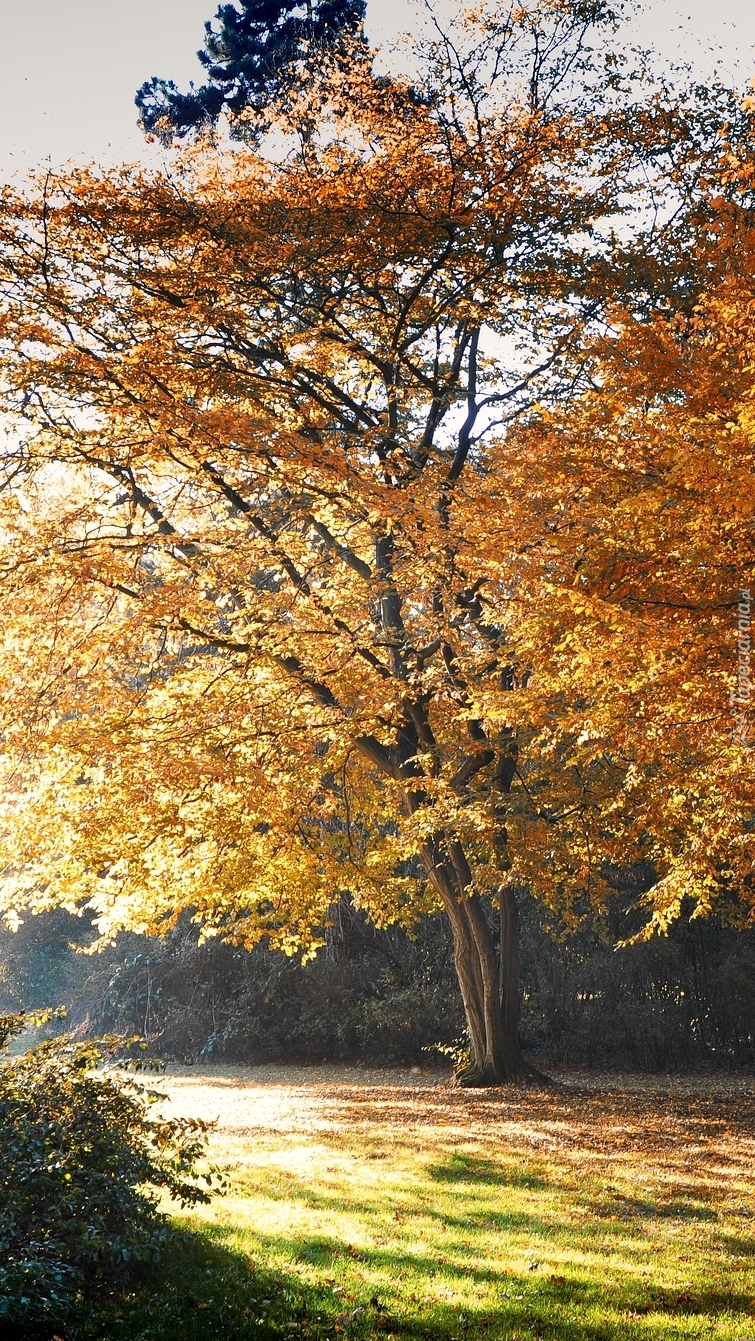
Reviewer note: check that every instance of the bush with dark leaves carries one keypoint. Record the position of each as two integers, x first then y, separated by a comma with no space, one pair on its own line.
82,1162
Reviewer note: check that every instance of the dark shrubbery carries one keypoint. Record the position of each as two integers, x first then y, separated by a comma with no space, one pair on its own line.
383,997
677,1001
80,1153
375,996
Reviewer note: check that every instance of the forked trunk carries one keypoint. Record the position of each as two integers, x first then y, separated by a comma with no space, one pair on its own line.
488,978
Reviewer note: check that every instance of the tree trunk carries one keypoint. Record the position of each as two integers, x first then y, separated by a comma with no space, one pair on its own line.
489,981
508,959
337,928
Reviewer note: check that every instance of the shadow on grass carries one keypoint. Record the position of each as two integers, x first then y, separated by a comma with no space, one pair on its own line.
463,1168
203,1290
200,1291
613,1215
567,1306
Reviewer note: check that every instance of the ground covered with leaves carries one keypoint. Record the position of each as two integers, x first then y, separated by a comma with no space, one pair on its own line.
384,1204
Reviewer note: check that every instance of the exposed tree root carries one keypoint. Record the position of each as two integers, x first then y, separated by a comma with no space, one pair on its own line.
522,1072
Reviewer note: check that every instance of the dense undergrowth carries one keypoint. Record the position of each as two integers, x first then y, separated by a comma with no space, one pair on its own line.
384,997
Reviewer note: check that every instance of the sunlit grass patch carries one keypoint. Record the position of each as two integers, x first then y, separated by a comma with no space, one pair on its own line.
371,1210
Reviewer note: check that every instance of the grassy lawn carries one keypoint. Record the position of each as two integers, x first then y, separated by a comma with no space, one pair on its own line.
385,1204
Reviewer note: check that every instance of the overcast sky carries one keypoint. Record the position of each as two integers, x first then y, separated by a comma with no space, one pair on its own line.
69,68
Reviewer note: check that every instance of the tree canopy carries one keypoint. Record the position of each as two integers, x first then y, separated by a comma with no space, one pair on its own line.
318,573
639,596
249,58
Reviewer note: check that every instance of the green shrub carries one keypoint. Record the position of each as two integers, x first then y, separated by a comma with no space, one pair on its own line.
82,1160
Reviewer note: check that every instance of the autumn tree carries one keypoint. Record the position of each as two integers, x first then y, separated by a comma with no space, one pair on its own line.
268,631
636,604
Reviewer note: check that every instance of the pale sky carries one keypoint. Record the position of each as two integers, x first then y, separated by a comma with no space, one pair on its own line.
69,68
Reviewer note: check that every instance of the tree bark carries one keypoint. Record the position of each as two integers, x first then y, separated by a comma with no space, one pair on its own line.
508,959
337,947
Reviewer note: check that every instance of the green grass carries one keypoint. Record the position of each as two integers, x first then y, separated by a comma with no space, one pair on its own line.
398,1212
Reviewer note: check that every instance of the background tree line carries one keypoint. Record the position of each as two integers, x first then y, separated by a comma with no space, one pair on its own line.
381,998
